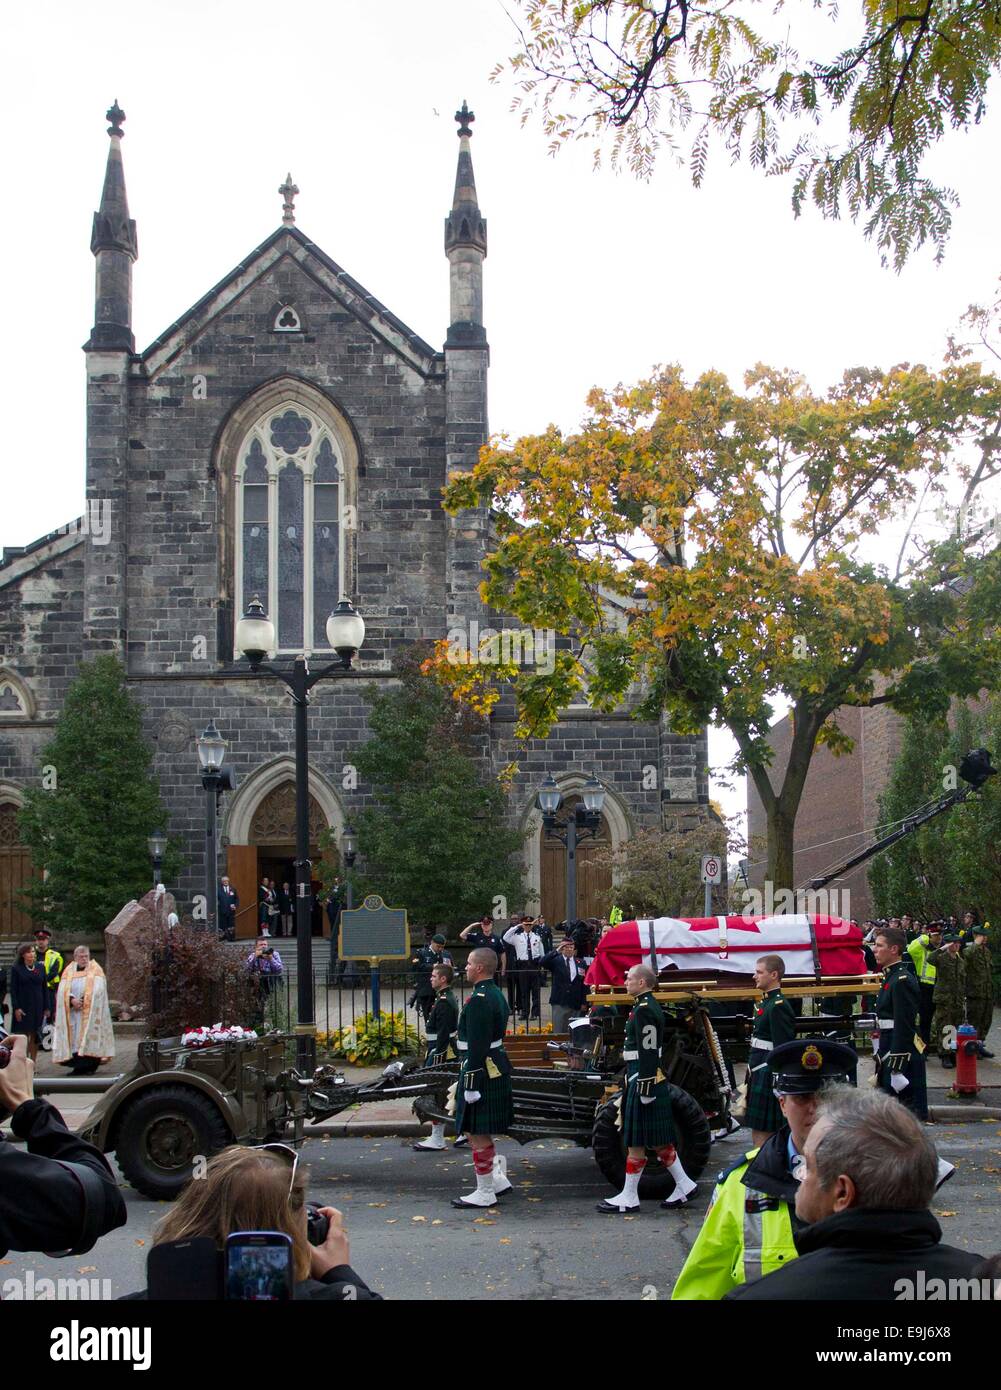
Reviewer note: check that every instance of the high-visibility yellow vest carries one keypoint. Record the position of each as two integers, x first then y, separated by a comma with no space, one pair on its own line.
745,1235
919,950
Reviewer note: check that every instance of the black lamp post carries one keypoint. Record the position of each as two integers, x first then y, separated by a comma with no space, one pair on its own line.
255,638
349,852
157,843
211,752
582,823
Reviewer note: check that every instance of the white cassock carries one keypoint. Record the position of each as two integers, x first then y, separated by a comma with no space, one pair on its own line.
86,1031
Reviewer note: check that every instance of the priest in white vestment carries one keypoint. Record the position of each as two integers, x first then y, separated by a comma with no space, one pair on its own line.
84,1035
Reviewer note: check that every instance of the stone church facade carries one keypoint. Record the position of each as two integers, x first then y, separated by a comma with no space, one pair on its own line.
287,436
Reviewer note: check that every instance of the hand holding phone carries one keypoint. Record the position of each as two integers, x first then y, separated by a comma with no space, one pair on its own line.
16,1073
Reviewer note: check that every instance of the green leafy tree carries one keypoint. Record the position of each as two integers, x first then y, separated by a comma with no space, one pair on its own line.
438,841
849,122
954,862
88,823
739,533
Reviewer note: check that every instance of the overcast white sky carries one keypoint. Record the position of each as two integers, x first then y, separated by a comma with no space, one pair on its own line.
591,278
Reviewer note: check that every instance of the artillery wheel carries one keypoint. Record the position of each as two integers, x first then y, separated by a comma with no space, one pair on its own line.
160,1134
694,1144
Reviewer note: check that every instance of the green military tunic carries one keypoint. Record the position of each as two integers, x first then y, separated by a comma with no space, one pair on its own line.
481,1051
646,1123
898,1044
950,996
441,1027
774,1023
979,987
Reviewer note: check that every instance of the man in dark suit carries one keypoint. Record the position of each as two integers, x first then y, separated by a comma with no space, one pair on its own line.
569,990
226,910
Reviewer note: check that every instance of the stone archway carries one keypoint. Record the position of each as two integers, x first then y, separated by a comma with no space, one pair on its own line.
260,828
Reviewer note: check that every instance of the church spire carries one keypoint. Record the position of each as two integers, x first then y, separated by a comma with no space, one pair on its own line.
114,244
465,244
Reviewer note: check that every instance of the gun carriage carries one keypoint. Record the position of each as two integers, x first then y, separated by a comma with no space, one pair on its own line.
180,1103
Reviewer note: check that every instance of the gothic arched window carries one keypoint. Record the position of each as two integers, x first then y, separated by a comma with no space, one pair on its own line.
289,485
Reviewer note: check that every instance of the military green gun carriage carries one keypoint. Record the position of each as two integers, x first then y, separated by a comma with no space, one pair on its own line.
180,1104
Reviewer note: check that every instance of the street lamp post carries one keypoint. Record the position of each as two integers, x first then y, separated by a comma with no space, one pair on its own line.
157,843
211,752
255,638
583,822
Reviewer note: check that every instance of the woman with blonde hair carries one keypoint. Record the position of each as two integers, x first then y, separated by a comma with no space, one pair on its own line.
263,1189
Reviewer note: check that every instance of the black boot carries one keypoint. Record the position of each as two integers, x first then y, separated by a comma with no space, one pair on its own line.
948,1060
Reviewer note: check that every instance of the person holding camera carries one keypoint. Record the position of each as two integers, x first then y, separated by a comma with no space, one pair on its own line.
57,1192
263,1189
265,964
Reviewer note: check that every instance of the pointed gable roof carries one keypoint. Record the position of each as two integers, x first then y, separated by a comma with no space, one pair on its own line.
290,241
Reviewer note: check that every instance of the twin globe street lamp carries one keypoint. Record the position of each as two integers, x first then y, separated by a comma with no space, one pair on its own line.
583,822
255,639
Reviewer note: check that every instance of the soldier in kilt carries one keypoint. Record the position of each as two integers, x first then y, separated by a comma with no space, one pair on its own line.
483,1101
647,1121
774,1024
897,1044
442,1022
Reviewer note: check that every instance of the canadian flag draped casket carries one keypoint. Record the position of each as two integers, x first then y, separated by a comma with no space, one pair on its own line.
720,946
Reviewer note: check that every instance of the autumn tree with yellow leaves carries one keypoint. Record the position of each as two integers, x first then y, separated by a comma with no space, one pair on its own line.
762,543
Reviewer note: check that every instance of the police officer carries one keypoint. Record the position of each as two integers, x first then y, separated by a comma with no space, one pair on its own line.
425,961
920,951
52,963
484,1105
774,1024
442,1022
897,1044
647,1121
748,1230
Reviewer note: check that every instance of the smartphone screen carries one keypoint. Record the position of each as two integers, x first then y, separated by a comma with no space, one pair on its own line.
259,1266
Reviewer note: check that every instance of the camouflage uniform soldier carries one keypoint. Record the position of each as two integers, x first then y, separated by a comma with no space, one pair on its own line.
484,1105
950,996
647,1121
979,986
441,1039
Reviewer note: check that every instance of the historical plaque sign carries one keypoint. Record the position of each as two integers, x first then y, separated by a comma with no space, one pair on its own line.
374,932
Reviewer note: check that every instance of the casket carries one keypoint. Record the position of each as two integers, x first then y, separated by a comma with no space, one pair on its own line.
720,947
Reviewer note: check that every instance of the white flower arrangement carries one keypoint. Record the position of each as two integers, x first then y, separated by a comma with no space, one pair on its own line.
208,1036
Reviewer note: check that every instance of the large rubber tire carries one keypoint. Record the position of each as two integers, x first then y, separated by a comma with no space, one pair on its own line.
693,1145
160,1134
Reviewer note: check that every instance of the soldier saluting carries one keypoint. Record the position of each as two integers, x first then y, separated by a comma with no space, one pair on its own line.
441,1027
898,1046
774,1024
647,1121
483,1102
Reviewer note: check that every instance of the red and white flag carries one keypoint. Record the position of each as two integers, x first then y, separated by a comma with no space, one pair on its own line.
729,946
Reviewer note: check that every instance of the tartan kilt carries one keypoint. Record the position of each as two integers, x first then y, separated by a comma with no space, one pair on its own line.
763,1110
493,1113
436,1059
647,1126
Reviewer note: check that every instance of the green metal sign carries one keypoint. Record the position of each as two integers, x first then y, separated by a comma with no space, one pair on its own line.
374,932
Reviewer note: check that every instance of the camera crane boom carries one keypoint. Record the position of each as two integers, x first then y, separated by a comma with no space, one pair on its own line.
974,769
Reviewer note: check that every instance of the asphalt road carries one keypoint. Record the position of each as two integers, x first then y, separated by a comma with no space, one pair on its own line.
544,1241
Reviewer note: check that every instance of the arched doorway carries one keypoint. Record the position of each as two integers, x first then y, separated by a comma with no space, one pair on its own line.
260,830
15,873
593,881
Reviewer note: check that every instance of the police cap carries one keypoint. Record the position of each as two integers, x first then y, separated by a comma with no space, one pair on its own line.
806,1064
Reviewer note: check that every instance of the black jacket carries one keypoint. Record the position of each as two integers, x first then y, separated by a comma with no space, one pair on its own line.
340,1284
569,995
40,1202
859,1256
